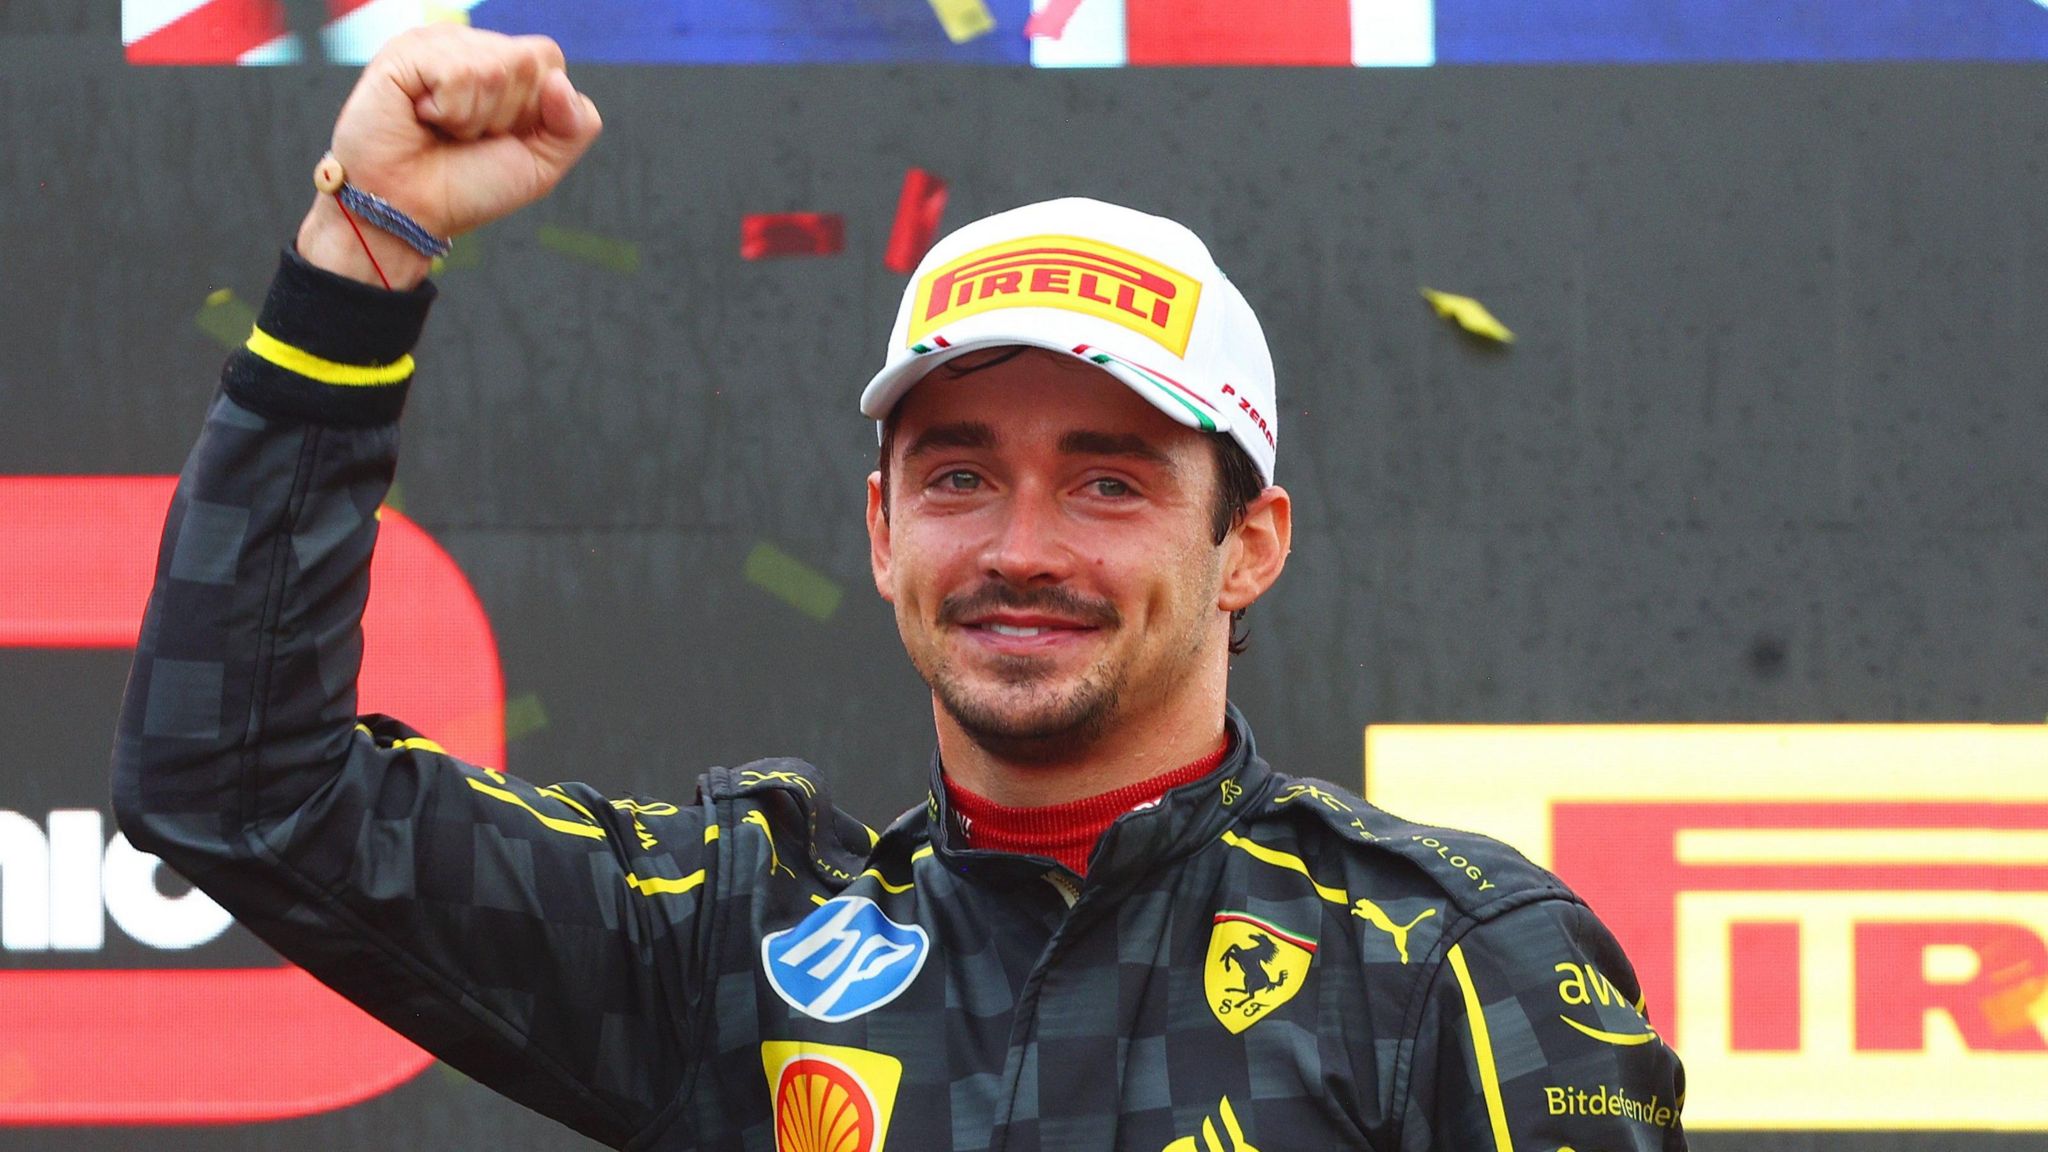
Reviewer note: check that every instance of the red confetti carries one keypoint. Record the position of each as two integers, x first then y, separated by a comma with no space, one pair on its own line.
765,235
917,220
1049,22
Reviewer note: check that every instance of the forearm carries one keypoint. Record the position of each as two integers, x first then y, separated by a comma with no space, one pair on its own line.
253,631
351,845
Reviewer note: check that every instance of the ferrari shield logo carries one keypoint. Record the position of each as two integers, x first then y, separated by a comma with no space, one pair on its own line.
1254,967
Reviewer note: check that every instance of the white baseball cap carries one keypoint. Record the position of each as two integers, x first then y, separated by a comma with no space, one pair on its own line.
1135,294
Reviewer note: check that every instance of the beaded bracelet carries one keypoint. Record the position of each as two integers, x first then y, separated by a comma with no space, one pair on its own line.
329,177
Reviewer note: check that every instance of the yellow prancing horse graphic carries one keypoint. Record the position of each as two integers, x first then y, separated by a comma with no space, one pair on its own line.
1254,967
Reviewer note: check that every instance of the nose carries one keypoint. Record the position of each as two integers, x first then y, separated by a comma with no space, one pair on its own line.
1028,542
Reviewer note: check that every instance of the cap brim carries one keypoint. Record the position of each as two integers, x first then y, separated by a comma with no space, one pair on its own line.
891,384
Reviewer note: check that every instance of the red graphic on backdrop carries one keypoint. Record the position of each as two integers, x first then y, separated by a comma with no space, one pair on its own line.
1624,859
219,1046
1302,32
220,31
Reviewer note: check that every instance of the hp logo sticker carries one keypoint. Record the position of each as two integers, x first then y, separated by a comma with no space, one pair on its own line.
843,959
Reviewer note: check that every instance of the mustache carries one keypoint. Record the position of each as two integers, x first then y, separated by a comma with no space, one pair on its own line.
1053,601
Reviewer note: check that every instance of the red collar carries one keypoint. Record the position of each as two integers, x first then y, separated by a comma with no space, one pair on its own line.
1065,832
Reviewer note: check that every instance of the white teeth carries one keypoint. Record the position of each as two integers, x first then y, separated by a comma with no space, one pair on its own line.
1008,630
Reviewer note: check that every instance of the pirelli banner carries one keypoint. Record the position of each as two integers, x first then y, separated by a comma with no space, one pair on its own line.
1838,927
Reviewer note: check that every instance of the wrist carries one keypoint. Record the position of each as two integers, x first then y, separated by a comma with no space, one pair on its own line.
327,241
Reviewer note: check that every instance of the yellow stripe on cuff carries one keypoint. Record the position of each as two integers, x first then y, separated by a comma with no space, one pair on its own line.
270,348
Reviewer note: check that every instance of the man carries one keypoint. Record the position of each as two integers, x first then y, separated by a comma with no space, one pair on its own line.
1110,925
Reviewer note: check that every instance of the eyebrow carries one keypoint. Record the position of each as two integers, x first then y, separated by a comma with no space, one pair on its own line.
1081,442
965,434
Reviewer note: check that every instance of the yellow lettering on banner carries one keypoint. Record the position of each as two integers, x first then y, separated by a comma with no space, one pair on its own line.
964,20
1998,1090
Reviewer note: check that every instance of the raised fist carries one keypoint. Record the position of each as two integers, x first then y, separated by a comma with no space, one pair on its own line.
456,127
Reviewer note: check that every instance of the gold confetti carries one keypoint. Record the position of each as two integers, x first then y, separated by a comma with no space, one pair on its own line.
798,584
1468,314
618,255
963,20
226,318
523,717
465,254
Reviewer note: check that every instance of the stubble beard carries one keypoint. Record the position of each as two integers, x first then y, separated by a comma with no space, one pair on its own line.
1026,716
1023,708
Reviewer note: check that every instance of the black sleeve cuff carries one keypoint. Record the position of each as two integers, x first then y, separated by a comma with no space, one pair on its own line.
328,349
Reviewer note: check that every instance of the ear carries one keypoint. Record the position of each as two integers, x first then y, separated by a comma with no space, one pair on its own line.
1256,550
878,536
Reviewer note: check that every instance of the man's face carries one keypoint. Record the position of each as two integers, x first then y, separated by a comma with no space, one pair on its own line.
1047,549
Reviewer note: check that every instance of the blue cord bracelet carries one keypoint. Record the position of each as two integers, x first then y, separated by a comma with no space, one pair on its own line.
329,177
383,214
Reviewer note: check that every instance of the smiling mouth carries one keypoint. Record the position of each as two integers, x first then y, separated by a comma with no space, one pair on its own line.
1023,630
1022,637
1003,615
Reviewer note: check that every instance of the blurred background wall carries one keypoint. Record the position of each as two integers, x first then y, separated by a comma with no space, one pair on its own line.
1767,446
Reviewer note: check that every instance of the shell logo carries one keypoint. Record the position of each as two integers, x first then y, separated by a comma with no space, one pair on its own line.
828,1098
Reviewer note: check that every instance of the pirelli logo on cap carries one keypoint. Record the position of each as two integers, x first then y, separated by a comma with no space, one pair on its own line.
1836,926
1085,276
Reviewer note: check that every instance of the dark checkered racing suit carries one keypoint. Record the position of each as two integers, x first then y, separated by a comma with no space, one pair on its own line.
1256,962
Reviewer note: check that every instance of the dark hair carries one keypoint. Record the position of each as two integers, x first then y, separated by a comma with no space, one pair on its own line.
1237,484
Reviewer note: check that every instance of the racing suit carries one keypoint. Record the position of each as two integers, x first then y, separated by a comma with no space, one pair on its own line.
1255,962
